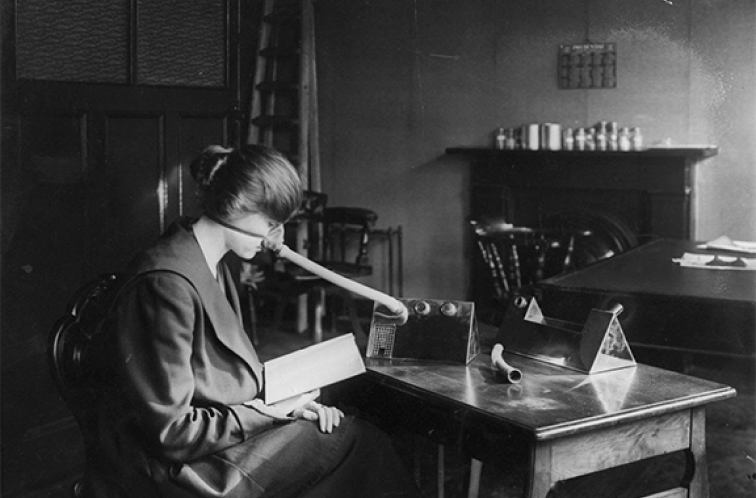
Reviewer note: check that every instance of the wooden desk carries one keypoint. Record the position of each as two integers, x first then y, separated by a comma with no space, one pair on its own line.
565,424
667,308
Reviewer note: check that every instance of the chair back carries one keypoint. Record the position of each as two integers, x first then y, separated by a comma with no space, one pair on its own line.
518,256
305,226
75,362
347,239
338,239
313,205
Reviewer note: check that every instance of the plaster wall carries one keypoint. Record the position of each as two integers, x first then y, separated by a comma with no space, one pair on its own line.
400,81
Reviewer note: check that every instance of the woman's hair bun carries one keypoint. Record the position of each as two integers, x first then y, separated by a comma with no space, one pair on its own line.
205,166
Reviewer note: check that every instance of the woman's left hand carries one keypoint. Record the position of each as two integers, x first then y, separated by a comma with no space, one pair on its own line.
328,417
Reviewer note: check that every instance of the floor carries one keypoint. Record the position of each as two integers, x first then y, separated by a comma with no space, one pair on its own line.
731,442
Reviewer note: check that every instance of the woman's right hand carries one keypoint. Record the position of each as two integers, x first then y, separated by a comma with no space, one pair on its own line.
328,417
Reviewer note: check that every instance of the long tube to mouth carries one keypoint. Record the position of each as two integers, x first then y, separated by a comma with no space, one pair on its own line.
395,306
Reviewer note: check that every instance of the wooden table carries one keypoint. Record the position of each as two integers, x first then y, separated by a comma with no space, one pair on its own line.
668,308
565,424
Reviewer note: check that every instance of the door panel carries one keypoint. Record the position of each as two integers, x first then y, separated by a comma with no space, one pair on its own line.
134,163
181,46
43,221
73,40
94,168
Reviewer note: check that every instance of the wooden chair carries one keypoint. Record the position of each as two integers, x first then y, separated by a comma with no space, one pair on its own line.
263,280
337,238
74,363
521,256
346,243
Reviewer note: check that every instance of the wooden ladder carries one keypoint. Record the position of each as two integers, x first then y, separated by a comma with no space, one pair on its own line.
284,106
284,109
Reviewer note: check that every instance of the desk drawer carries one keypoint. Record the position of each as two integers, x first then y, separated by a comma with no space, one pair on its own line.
619,445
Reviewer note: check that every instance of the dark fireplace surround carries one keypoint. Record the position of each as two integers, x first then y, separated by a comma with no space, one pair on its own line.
645,194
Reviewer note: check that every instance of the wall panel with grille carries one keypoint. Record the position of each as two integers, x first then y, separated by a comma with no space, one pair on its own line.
143,42
73,40
181,43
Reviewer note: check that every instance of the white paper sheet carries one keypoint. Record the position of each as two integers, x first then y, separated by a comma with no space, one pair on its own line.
716,262
725,243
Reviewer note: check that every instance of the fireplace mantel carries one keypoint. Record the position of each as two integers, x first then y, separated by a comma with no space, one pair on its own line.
696,153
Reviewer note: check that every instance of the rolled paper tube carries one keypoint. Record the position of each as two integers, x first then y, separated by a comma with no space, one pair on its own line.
401,314
512,374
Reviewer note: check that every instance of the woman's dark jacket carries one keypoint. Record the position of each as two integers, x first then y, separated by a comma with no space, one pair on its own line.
184,366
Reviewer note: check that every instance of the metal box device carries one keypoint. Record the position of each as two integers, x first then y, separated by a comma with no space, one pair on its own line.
436,330
598,345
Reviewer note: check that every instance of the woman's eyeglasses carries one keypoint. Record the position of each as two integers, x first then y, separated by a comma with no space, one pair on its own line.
237,229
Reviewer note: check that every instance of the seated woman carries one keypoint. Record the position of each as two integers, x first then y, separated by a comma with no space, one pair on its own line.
184,418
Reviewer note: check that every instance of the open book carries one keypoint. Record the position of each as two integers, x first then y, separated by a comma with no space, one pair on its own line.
311,368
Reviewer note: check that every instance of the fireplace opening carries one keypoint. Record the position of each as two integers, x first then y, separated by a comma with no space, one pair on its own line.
609,235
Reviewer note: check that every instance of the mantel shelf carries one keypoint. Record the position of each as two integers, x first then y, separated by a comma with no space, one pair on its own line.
689,152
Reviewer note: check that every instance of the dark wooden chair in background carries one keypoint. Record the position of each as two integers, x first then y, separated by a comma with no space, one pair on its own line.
76,367
267,282
347,236
337,238
518,257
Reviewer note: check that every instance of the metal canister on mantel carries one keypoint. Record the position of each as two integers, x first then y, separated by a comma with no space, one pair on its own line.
531,136
568,139
612,136
636,139
602,135
501,139
580,139
551,136
624,139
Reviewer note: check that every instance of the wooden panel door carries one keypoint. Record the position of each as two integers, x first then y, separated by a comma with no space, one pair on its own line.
95,158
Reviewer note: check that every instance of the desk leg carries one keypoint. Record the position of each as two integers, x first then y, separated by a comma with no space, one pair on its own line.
318,312
540,479
476,469
440,473
697,470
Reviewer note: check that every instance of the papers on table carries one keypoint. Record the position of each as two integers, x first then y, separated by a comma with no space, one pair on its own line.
725,243
730,255
716,262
